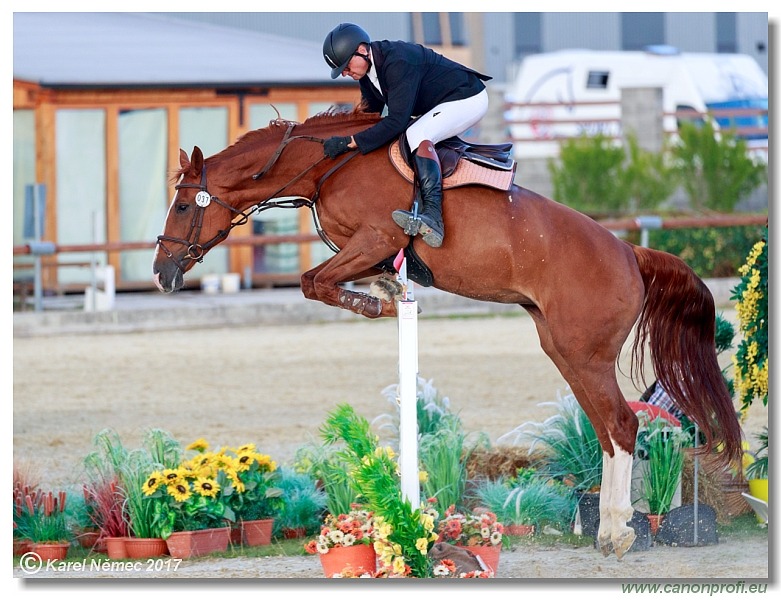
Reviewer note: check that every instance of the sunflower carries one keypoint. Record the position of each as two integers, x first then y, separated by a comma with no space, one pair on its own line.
173,476
199,445
245,448
206,487
180,491
154,481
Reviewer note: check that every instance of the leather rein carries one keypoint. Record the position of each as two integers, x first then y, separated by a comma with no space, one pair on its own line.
196,250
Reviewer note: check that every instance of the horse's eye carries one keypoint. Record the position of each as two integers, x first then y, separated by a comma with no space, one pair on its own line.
182,208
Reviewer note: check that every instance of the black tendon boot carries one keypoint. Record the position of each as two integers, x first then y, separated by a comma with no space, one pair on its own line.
429,222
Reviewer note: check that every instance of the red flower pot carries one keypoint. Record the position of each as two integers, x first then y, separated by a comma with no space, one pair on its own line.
258,532
52,551
489,554
187,544
115,548
145,547
520,530
359,559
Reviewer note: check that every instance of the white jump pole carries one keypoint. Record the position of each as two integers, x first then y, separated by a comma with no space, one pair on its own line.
408,386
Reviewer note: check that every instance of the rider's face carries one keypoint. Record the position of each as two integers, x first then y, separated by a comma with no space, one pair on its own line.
356,68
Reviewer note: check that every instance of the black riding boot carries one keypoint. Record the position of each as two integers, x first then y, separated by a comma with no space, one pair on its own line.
429,221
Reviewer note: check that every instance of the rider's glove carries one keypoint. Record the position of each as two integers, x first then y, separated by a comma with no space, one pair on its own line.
335,146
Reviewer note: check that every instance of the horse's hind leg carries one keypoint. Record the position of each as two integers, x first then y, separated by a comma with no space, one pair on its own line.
593,381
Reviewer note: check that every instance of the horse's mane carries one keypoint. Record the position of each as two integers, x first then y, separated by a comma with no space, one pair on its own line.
333,116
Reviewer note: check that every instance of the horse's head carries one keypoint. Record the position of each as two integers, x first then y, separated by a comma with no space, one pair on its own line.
196,222
198,219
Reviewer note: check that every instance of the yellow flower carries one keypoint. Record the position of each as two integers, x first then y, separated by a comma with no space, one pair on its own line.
422,476
207,487
422,545
199,445
245,448
398,565
179,491
154,481
173,476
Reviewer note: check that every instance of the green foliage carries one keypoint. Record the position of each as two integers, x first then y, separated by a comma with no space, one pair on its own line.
665,463
714,168
758,469
303,503
373,471
528,500
751,360
572,451
649,179
443,455
712,251
330,470
590,176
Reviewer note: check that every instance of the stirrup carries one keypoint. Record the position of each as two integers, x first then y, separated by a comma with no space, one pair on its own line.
407,221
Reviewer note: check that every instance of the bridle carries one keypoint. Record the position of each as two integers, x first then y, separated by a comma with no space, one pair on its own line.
203,199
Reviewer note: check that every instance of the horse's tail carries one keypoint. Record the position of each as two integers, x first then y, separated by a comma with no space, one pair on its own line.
679,322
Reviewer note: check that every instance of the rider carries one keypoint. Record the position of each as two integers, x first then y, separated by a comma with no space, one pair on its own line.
412,81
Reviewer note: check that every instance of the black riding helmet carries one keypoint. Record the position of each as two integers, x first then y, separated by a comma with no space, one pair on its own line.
340,46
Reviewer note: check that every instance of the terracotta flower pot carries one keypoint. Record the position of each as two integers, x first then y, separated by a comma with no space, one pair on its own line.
88,539
359,559
258,532
52,551
187,544
115,548
655,521
145,547
489,554
294,533
519,530
22,546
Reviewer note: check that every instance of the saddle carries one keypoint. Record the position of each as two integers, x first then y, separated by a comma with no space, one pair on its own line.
463,163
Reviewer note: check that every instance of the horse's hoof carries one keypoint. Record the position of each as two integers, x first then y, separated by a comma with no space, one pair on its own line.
385,288
605,546
624,542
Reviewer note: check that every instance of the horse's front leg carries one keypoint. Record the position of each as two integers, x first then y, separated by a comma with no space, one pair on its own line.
322,282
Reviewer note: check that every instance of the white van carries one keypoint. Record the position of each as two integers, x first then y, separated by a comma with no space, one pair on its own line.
569,93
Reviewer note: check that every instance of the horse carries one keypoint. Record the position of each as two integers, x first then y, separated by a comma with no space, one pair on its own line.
584,288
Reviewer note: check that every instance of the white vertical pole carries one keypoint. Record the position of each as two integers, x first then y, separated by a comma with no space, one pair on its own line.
408,387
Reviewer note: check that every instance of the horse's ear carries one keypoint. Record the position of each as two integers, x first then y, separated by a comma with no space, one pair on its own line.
197,160
184,160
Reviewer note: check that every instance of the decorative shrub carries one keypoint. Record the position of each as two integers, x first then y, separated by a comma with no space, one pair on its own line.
751,360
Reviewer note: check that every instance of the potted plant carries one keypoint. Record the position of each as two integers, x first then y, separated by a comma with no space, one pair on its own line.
404,534
108,515
571,453
303,504
346,542
524,503
481,533
43,521
255,498
756,471
665,464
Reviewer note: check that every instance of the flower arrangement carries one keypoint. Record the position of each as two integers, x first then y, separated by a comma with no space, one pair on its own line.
344,530
751,360
404,535
212,488
460,529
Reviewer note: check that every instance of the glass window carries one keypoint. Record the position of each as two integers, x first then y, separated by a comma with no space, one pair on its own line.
81,188
143,186
597,80
726,32
639,30
24,167
275,258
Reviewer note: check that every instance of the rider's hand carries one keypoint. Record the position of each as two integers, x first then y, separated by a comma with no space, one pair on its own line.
335,146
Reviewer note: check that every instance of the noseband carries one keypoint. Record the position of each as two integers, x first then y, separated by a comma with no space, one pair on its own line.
203,199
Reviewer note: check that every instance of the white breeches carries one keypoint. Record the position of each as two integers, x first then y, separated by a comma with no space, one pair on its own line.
448,119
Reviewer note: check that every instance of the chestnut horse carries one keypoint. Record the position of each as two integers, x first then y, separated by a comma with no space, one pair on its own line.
584,288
